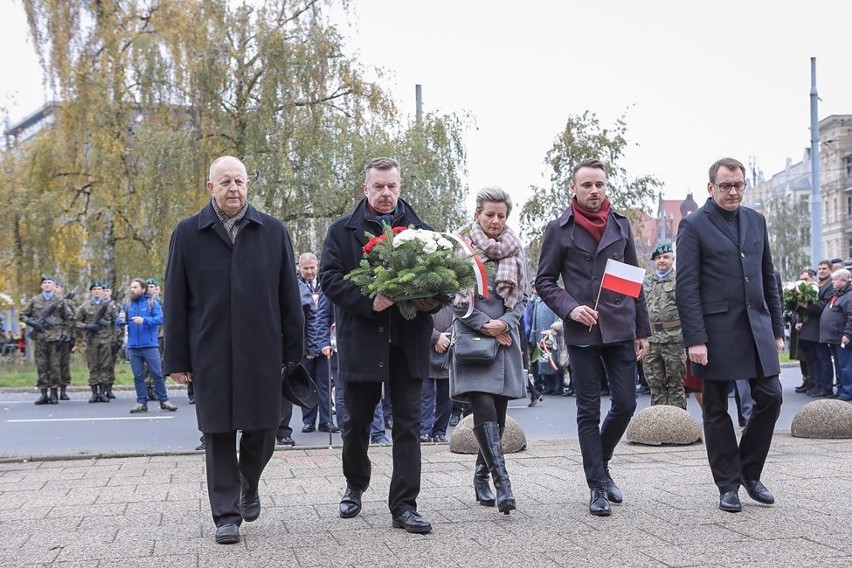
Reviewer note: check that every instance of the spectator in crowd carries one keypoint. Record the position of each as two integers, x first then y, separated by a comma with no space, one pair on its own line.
836,330
435,402
142,315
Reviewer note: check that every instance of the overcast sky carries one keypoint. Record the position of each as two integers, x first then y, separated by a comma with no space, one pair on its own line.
697,80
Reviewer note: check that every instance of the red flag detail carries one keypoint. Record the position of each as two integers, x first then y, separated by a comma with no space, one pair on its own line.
623,278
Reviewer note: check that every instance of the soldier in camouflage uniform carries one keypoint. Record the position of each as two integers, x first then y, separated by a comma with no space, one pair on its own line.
96,318
44,314
66,343
664,364
117,340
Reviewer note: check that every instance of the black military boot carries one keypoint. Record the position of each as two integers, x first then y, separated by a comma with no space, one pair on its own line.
109,394
43,399
54,396
102,392
95,397
151,395
62,395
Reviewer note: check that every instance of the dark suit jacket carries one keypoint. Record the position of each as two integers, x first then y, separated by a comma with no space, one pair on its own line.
726,294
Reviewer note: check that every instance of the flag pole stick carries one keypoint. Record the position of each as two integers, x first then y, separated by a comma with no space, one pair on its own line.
598,299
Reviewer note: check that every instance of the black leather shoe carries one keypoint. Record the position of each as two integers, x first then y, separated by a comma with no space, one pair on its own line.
598,503
228,534
308,428
250,506
412,522
328,427
285,441
730,502
613,493
757,491
350,504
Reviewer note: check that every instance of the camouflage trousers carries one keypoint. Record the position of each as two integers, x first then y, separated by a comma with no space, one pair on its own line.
664,367
64,362
100,360
47,359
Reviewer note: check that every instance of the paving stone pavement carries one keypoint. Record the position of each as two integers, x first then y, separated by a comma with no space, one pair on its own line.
153,511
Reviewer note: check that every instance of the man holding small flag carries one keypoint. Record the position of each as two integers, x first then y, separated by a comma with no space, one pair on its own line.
606,328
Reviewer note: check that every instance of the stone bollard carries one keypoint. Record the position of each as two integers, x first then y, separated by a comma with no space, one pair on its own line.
825,418
462,440
663,424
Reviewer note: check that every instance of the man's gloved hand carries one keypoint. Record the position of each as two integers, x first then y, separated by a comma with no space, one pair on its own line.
103,322
36,326
93,327
424,304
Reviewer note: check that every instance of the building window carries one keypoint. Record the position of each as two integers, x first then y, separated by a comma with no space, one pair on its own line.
849,250
847,163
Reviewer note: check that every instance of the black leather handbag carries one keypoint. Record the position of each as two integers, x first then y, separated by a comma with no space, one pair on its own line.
475,348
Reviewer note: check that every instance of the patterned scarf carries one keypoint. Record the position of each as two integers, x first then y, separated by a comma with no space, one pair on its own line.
511,277
231,223
594,222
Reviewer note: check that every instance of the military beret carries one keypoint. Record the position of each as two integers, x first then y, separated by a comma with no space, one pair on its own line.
95,284
661,249
836,261
46,277
152,282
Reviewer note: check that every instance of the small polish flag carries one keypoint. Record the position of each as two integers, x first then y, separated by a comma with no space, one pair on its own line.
623,278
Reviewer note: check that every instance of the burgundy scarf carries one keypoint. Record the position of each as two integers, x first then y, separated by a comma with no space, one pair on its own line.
594,222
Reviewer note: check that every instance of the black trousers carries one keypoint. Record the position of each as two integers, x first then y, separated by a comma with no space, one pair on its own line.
361,399
588,365
729,460
226,474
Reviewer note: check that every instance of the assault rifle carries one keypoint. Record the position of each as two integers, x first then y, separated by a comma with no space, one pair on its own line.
46,321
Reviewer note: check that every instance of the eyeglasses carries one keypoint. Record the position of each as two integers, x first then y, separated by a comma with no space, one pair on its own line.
726,187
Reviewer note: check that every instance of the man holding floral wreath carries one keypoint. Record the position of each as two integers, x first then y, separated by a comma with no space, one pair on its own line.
376,345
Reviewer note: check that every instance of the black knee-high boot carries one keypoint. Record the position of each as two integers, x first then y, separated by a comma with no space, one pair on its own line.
488,437
482,482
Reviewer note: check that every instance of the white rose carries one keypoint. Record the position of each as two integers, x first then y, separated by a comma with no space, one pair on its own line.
430,246
403,237
444,243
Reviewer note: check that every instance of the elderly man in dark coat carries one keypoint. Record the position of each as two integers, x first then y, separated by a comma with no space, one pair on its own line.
233,318
603,330
730,311
375,345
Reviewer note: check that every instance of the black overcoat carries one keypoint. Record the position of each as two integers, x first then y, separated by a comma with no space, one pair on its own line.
232,317
727,297
364,336
570,253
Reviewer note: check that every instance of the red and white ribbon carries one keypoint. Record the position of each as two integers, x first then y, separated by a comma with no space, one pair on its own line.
475,262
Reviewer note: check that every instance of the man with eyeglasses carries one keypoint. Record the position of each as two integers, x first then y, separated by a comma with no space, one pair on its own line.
730,311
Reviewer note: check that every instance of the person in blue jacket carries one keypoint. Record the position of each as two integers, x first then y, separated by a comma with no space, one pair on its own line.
142,315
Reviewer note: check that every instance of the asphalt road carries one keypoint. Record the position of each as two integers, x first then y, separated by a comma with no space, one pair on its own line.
79,428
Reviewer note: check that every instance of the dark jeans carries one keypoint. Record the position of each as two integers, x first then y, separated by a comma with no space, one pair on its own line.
435,407
728,460
150,356
843,356
824,376
361,399
597,442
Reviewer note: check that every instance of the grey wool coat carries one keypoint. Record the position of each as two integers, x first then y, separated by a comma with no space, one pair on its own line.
505,375
232,316
727,296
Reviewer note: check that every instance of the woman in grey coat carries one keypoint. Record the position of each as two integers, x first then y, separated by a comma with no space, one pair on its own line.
489,386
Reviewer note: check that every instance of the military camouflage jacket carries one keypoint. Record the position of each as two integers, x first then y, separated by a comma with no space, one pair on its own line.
35,310
88,313
662,308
